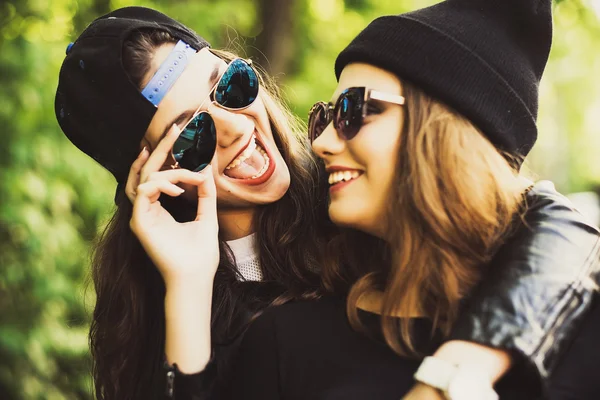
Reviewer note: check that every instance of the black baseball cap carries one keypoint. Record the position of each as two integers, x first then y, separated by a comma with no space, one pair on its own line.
97,105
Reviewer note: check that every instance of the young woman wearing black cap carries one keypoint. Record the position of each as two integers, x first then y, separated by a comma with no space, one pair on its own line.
125,82
423,139
113,109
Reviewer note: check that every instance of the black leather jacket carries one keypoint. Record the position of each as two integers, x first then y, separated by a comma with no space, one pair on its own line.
538,288
540,284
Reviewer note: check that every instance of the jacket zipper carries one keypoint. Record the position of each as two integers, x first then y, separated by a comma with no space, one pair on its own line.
170,382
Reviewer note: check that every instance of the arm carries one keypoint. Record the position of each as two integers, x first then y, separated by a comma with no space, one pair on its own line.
186,254
190,371
539,286
187,320
214,381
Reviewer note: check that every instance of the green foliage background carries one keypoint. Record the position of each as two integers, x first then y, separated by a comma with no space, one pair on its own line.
53,200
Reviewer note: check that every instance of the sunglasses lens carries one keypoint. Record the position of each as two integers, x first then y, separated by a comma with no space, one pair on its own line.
195,147
348,116
317,121
238,87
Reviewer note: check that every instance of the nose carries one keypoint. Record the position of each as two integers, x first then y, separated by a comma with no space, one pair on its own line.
328,143
230,126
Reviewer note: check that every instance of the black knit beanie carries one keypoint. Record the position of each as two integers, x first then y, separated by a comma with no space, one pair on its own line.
484,58
97,105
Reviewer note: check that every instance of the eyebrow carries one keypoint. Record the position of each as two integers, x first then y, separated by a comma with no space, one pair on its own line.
187,114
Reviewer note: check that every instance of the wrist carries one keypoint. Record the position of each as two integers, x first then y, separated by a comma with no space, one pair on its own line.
422,391
455,382
490,361
183,298
188,284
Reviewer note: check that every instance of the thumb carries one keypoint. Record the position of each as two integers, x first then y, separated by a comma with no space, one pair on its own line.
207,196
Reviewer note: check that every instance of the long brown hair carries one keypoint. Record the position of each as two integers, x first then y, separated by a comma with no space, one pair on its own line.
127,331
454,199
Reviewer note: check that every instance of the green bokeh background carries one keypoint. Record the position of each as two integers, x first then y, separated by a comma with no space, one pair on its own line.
54,200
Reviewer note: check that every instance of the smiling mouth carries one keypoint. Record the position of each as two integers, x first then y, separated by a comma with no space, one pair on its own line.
343,176
252,162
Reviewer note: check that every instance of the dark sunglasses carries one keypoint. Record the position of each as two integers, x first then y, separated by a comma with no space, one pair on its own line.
236,89
348,113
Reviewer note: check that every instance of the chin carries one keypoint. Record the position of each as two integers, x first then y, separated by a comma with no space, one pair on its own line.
342,217
246,196
348,217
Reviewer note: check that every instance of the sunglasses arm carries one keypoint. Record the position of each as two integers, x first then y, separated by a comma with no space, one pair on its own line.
386,97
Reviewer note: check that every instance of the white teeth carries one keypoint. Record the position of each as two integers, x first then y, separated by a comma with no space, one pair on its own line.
339,176
252,146
245,154
265,167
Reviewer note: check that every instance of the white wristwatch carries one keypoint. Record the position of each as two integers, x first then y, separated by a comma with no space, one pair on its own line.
456,382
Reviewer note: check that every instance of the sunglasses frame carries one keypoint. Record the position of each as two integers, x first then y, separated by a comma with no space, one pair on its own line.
210,95
329,108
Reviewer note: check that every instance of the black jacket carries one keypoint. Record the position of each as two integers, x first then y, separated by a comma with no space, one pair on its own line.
539,287
540,284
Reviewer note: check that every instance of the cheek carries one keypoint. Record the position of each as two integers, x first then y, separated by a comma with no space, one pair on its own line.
363,205
380,154
381,171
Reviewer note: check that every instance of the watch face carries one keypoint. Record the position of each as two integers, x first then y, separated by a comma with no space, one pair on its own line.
470,385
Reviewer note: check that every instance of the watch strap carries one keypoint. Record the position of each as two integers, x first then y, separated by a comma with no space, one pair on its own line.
454,381
436,373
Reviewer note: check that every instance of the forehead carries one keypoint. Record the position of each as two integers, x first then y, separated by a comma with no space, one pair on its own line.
370,76
191,88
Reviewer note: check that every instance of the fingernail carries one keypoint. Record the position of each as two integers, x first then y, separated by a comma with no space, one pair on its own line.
144,150
180,190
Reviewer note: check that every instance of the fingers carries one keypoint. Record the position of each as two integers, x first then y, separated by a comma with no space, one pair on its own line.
172,177
160,154
152,190
133,179
166,182
149,192
207,195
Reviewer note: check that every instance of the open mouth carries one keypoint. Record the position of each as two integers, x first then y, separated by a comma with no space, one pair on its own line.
252,164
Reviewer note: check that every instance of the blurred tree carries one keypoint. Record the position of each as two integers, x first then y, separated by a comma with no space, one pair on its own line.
87,11
46,220
275,44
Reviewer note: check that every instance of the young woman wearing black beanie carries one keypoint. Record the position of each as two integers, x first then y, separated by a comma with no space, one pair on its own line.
423,140
108,118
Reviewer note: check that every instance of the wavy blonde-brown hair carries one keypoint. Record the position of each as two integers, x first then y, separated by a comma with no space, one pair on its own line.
454,199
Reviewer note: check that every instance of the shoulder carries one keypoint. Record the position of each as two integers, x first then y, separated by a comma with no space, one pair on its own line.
555,218
546,204
554,235
284,335
298,311
301,319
